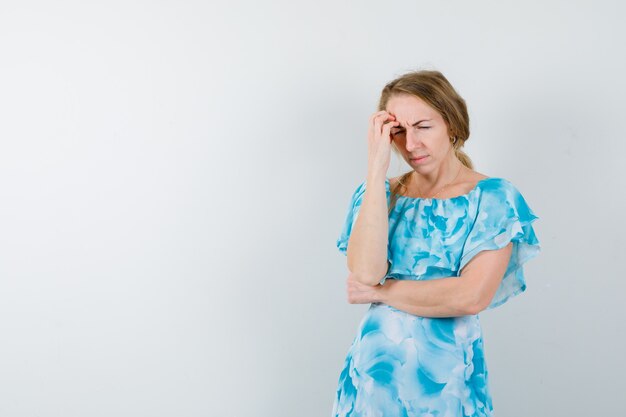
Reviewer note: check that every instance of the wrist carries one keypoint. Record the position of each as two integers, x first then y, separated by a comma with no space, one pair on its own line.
374,175
383,290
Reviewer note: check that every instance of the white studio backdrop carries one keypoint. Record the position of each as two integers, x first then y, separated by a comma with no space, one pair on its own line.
174,176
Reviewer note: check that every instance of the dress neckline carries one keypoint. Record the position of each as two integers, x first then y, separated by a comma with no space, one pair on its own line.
441,199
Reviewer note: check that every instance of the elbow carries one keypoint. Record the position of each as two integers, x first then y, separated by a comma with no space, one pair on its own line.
473,309
368,275
367,279
474,304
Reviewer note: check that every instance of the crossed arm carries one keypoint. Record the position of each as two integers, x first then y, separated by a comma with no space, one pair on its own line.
468,294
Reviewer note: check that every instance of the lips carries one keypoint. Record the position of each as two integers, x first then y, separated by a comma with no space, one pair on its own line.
418,157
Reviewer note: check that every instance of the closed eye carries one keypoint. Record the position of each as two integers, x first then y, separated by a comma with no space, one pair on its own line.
402,131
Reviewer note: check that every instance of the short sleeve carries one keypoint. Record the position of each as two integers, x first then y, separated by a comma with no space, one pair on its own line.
352,215
503,216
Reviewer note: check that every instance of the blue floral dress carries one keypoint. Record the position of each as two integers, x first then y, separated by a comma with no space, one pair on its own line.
400,364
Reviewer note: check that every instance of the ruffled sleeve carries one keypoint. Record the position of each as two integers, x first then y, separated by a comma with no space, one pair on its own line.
353,214
503,216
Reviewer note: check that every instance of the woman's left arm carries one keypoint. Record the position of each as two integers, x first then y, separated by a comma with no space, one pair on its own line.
467,294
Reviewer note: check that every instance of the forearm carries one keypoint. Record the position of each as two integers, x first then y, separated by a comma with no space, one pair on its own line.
440,297
367,247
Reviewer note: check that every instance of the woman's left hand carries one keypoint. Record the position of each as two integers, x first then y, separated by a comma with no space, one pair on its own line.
359,293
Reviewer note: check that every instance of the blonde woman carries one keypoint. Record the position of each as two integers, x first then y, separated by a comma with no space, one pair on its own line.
428,250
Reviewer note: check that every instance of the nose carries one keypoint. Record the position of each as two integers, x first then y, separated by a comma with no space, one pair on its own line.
413,141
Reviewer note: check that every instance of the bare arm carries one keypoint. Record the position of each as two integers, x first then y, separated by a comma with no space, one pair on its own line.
441,297
367,246
467,294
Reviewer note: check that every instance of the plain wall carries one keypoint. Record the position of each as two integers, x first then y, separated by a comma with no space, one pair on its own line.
174,176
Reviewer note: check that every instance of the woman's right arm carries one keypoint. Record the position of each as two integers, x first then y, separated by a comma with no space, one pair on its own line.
367,246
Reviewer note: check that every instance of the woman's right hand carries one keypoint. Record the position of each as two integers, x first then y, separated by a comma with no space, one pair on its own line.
379,141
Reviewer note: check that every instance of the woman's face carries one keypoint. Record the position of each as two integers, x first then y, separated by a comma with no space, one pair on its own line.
422,132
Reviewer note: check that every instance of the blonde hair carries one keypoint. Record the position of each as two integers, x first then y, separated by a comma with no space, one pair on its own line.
433,88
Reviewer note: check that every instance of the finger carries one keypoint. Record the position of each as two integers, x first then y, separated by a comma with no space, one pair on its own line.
386,133
378,123
379,118
373,118
387,126
387,119
377,114
386,116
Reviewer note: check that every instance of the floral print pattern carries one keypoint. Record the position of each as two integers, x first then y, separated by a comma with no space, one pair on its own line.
400,364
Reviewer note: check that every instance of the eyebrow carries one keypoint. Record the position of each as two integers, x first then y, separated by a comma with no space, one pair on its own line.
415,124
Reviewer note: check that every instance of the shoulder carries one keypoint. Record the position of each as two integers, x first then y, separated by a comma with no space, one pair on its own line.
501,195
473,180
498,187
394,181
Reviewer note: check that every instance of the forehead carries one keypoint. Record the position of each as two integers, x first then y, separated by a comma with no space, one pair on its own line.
405,106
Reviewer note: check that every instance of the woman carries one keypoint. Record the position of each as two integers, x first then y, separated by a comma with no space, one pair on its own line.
429,250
